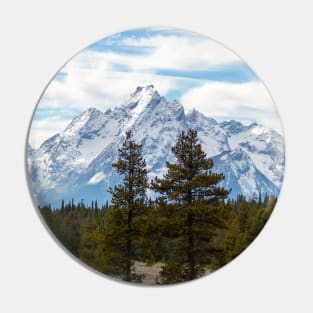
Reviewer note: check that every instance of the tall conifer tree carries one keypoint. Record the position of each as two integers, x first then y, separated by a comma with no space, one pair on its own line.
194,205
128,201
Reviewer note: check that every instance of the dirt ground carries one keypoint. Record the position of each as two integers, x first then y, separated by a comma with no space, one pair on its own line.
151,272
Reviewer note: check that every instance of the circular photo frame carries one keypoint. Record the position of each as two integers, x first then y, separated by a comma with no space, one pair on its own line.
155,156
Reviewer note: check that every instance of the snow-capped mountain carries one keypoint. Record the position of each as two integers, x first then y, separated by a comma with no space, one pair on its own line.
77,162
241,174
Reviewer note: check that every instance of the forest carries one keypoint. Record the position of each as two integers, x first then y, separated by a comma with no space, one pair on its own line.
190,228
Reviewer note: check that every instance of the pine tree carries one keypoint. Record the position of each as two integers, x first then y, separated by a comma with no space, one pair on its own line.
244,224
128,201
194,206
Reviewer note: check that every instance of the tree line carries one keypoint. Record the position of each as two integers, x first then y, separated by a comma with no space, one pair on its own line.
191,227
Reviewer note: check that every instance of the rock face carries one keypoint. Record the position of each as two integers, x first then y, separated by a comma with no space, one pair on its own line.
77,162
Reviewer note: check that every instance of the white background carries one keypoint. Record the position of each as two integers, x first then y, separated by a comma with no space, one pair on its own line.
275,273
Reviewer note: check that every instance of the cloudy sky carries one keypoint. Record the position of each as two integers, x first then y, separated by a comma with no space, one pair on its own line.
195,70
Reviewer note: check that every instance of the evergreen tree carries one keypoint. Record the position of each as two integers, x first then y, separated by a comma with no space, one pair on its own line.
194,206
244,224
128,202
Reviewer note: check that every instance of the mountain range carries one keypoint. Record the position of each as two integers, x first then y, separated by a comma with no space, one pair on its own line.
77,163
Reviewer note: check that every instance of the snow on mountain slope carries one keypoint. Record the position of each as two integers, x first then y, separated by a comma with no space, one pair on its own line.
241,174
212,137
138,102
265,147
90,133
156,127
66,155
78,162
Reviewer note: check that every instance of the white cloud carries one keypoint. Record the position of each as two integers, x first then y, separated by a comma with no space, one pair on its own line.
92,79
246,102
89,82
182,53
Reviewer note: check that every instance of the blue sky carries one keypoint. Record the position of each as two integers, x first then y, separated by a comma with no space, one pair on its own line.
188,67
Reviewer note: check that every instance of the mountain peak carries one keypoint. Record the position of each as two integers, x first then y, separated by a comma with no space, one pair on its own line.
194,113
253,124
138,101
234,127
91,115
252,157
142,97
196,116
92,110
50,142
140,90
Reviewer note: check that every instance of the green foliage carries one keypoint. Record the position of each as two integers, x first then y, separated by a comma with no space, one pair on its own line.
123,232
244,224
195,209
190,228
85,232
